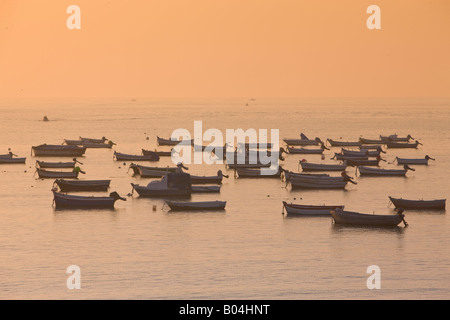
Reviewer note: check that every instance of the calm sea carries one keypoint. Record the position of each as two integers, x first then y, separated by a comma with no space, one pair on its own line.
248,251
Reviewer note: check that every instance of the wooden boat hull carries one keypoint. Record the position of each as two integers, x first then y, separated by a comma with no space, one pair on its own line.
306,166
82,202
300,142
206,179
58,151
363,153
169,142
356,163
360,219
12,160
302,184
129,157
401,145
205,189
309,210
247,165
45,174
419,204
158,193
256,173
158,153
63,165
372,141
365,171
304,151
412,161
205,205
335,143
97,145
151,173
339,156
83,185
73,142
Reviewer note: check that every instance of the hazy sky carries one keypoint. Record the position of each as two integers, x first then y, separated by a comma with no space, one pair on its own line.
224,48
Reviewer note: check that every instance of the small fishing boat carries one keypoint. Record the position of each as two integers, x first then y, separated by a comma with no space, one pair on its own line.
372,147
367,171
177,184
361,153
396,138
398,145
357,162
309,210
158,153
419,204
129,157
306,166
173,142
372,141
82,185
91,140
258,173
292,175
302,142
199,205
46,174
151,172
207,179
85,202
95,145
247,165
62,165
317,184
370,220
304,151
73,142
423,161
45,150
340,156
336,143
11,160
254,145
8,155
205,189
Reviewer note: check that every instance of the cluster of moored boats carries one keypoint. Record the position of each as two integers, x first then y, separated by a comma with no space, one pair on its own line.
174,182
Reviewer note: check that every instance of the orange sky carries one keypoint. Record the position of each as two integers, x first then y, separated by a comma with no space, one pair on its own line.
224,48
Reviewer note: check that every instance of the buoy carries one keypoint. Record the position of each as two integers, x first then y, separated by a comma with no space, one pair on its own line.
154,207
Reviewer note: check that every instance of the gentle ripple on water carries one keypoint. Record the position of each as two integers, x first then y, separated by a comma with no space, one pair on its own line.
250,251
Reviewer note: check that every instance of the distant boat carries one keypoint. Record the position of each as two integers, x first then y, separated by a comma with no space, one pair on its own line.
257,173
317,184
307,166
396,138
158,153
419,204
205,189
46,174
11,160
173,142
200,205
339,156
369,220
151,172
357,162
92,140
402,145
128,157
45,118
423,161
171,185
84,202
372,141
361,153
206,179
292,150
45,164
302,142
248,165
45,150
367,171
292,175
372,147
336,143
309,210
82,185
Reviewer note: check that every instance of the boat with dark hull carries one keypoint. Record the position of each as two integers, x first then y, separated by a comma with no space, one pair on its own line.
82,185
309,210
419,204
176,184
45,150
47,174
306,166
423,161
128,157
403,145
338,143
85,202
378,172
368,220
195,206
